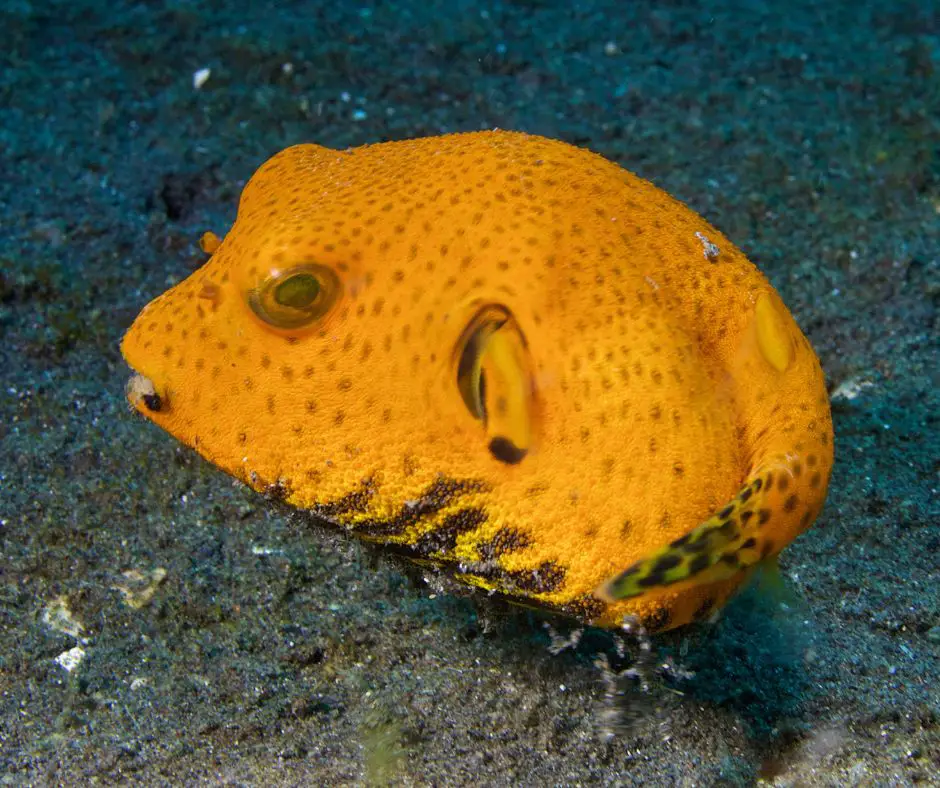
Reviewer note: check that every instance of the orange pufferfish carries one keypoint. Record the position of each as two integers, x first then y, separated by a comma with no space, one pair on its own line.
507,358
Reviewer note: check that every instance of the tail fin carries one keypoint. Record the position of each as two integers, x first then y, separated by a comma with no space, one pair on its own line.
778,501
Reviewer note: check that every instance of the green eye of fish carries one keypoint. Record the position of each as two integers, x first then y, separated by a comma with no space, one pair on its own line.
295,298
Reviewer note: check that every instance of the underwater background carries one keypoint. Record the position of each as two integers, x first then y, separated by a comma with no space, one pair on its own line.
160,623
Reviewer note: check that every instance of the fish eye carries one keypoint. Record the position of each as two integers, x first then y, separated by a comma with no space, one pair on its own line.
297,297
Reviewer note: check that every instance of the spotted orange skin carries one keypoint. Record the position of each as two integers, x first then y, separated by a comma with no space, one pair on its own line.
654,396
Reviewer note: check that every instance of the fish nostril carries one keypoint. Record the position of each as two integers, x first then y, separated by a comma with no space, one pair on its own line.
141,389
153,402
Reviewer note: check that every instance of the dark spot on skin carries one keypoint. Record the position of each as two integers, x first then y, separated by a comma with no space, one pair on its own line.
745,516
758,483
651,580
725,513
699,564
730,559
815,480
797,469
790,504
763,516
804,520
811,460
697,546
783,483
680,541
626,574
770,480
667,562
506,451
277,492
745,494
152,402
728,530
749,544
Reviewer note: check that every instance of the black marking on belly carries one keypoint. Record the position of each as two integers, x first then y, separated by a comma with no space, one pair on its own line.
440,494
504,541
354,502
443,539
584,608
546,578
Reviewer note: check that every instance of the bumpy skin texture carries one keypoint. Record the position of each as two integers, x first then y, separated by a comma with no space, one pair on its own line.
645,379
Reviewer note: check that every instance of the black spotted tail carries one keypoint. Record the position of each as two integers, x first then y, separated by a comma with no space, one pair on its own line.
771,509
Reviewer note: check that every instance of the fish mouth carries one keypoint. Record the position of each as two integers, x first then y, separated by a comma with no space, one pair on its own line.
143,395
143,392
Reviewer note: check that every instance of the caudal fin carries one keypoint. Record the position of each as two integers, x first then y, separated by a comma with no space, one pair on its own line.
778,501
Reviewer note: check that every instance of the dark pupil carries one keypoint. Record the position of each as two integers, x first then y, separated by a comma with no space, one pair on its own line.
298,291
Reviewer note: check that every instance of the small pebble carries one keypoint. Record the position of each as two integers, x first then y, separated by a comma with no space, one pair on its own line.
200,77
71,659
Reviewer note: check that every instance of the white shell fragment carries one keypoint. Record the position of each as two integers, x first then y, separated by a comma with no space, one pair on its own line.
58,617
200,77
71,659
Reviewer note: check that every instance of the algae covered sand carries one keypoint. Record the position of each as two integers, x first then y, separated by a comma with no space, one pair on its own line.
160,623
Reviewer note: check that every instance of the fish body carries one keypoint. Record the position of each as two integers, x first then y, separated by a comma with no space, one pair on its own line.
505,357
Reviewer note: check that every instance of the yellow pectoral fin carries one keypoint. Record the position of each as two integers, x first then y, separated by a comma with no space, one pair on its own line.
507,394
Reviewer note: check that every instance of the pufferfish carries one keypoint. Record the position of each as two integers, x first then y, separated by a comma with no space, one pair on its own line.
507,358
